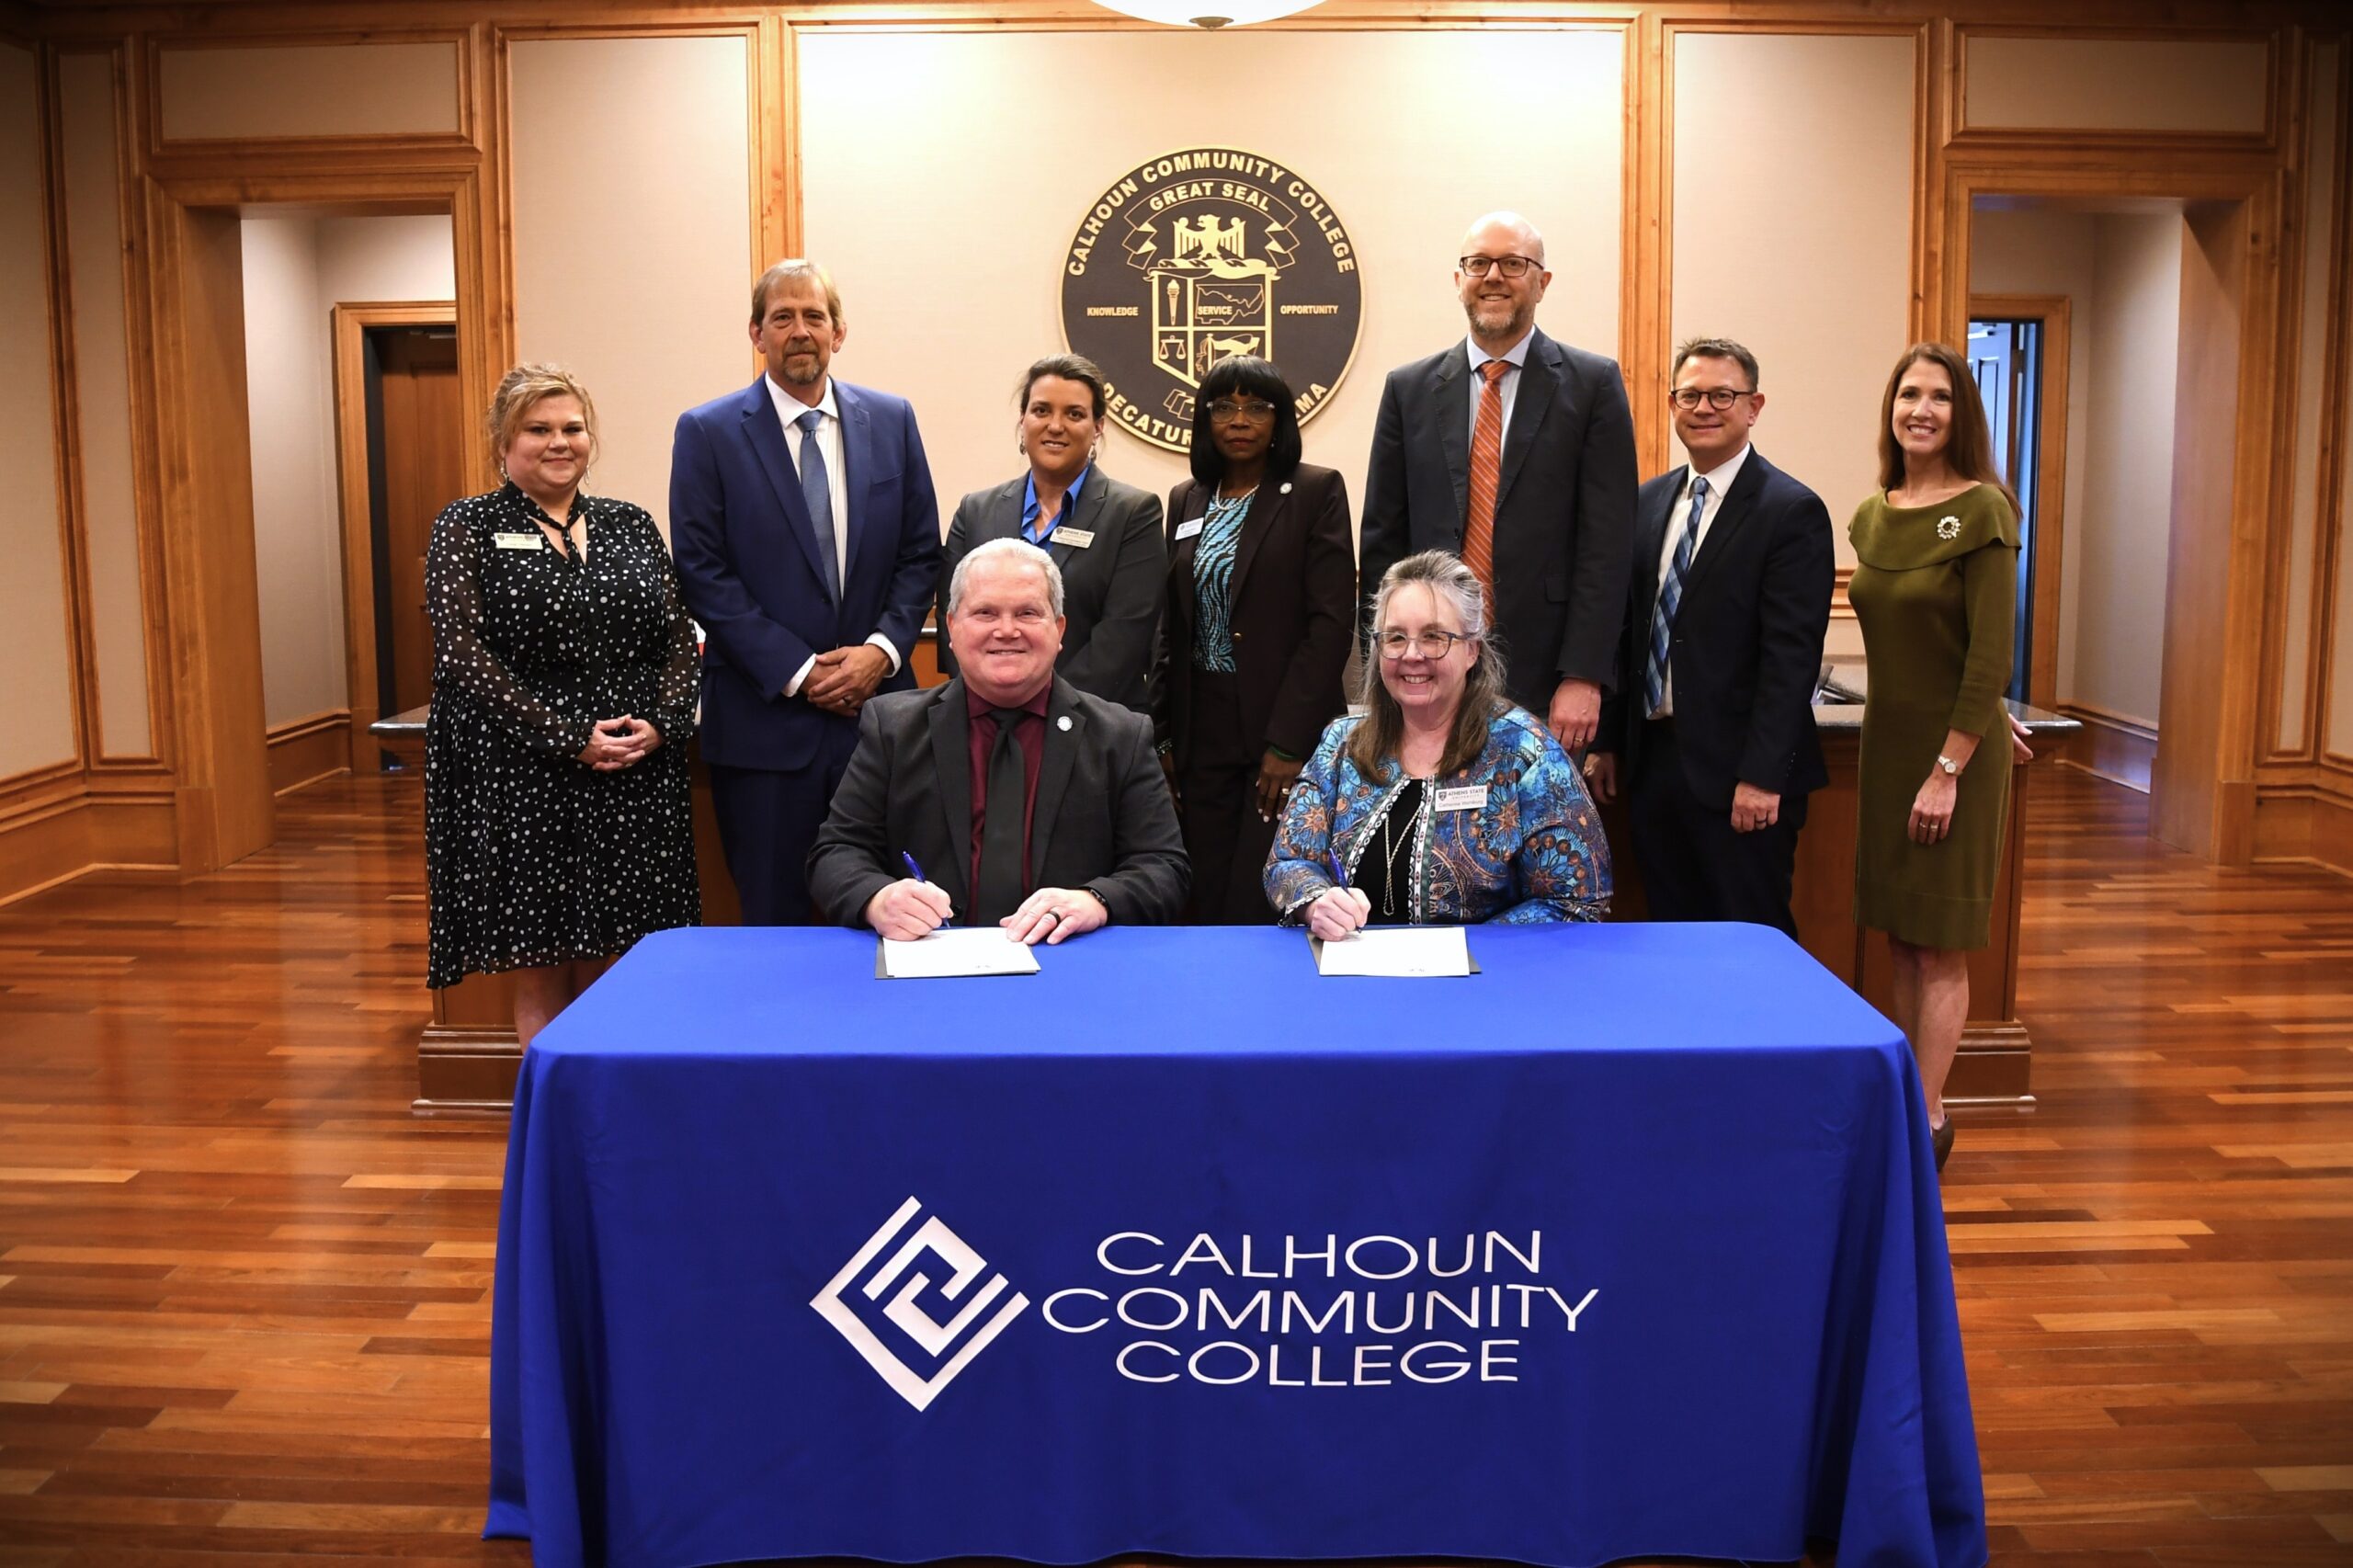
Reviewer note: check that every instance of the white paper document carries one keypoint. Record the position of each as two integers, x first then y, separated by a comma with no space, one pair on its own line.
957,950
1399,953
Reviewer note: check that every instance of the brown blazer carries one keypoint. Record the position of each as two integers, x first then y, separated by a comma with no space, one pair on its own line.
1294,612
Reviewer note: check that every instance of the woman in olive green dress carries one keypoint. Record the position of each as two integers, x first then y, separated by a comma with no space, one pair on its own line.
1936,590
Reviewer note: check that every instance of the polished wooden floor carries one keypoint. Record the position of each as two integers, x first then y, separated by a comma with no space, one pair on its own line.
245,1295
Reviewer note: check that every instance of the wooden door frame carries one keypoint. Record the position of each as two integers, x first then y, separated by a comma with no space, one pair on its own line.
2056,315
2202,797
184,192
350,325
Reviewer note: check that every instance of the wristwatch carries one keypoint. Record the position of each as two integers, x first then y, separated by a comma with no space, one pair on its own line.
1952,769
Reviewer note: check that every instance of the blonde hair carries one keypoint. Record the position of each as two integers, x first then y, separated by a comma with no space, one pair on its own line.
796,269
1373,745
524,387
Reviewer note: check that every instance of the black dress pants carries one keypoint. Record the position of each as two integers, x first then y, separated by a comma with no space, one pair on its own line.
1694,866
1217,787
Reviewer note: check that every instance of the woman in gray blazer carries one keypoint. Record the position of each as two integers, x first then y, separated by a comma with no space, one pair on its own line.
1105,536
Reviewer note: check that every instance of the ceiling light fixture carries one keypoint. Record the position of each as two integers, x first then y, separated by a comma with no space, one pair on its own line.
1207,14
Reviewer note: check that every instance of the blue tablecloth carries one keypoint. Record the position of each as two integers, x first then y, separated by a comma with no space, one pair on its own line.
1629,1245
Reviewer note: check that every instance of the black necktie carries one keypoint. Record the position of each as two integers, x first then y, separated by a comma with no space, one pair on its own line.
1001,875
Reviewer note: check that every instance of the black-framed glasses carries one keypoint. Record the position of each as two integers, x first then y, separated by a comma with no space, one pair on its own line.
1257,410
1430,644
1510,265
1688,399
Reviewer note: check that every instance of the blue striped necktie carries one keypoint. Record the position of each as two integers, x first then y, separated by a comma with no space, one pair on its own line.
1670,598
818,493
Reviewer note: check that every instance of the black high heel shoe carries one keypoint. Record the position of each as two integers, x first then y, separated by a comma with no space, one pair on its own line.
1942,1142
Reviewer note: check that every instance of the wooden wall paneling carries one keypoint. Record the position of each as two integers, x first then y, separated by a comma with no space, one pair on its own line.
2333,530
349,326
101,242
225,797
82,651
775,147
137,251
2201,785
304,751
322,148
1646,264
2275,73
2055,313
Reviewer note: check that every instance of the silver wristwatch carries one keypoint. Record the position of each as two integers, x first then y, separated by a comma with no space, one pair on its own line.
1952,769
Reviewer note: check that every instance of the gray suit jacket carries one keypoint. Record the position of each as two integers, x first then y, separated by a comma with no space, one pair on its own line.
1110,588
1103,817
1564,507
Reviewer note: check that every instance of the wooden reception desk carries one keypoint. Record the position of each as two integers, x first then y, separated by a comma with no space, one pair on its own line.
467,1058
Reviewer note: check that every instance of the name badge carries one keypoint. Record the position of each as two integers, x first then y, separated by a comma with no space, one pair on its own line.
519,541
1463,797
1077,539
1186,531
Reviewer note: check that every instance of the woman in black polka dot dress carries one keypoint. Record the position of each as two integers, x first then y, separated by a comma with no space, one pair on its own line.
558,825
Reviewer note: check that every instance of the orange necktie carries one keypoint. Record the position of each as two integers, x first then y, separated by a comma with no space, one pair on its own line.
1486,470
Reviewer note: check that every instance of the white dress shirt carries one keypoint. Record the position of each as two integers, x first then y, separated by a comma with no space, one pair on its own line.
1517,357
828,436
1719,482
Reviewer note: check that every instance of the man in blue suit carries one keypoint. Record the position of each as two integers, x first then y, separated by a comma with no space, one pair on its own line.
807,538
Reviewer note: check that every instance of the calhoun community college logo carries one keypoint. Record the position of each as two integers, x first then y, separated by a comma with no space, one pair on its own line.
982,1307
1198,255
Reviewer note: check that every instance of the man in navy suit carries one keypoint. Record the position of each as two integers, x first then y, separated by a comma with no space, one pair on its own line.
807,538
1518,454
1711,731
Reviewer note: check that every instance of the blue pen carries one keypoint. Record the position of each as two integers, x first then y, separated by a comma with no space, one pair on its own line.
913,870
1339,876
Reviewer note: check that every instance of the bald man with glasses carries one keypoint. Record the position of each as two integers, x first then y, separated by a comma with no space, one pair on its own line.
1516,453
1711,731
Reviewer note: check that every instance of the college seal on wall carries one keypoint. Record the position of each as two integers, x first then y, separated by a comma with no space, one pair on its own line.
1196,254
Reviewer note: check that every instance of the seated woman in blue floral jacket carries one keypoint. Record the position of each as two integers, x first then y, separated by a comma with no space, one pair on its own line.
1443,804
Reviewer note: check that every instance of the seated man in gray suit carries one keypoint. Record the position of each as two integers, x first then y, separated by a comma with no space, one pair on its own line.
1006,796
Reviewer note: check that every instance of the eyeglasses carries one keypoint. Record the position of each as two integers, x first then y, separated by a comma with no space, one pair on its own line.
1257,410
1431,644
1510,265
1688,399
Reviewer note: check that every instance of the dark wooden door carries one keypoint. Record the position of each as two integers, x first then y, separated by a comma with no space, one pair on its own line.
422,461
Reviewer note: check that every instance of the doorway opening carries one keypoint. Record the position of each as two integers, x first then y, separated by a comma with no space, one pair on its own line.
414,465
317,282
2006,358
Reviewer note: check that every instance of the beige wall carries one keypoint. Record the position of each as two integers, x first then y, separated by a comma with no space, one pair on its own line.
101,370
33,645
296,270
944,205
2323,191
1818,287
2212,84
321,90
633,235
2128,479
2048,251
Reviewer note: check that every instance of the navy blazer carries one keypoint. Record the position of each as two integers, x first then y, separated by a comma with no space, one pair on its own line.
1564,505
1746,649
748,565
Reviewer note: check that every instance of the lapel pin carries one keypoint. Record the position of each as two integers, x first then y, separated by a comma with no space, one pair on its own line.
1949,527
1063,723
1285,489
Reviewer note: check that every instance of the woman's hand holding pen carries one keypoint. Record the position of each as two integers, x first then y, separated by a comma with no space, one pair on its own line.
1341,911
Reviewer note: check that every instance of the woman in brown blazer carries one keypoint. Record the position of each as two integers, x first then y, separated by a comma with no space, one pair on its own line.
1255,633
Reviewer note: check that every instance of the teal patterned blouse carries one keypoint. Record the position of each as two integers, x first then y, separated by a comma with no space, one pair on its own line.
1213,583
1533,853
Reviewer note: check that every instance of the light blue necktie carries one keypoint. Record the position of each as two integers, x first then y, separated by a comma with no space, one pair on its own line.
814,491
1670,597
